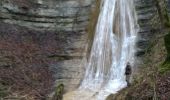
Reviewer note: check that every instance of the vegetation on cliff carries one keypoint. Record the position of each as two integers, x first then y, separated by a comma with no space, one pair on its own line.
166,65
24,61
152,82
24,72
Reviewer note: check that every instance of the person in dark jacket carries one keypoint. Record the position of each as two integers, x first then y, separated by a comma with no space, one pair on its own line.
128,72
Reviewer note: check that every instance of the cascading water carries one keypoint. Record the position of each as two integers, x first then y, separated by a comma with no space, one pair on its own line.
113,47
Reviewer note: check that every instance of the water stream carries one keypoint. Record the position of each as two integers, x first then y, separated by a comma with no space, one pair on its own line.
113,47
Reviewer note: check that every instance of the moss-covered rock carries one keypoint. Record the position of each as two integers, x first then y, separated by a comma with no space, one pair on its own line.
3,91
166,65
58,95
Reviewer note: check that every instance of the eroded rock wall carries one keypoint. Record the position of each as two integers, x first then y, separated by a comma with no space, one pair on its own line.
149,23
58,27
64,15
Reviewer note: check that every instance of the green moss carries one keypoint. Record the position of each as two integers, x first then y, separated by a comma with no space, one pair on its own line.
167,24
59,89
167,19
58,92
165,67
3,91
167,44
166,16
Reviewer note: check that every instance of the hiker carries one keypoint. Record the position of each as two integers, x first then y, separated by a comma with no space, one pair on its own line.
128,72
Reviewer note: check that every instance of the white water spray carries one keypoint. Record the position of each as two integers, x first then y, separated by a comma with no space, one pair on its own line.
113,47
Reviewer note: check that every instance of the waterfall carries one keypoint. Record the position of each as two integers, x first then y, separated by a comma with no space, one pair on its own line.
113,47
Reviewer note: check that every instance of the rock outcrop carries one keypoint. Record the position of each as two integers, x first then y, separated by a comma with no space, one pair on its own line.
58,15
57,26
149,23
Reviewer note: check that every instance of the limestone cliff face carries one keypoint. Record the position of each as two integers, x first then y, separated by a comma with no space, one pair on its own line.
64,15
149,22
58,27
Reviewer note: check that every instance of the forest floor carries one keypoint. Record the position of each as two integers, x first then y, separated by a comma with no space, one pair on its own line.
24,70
